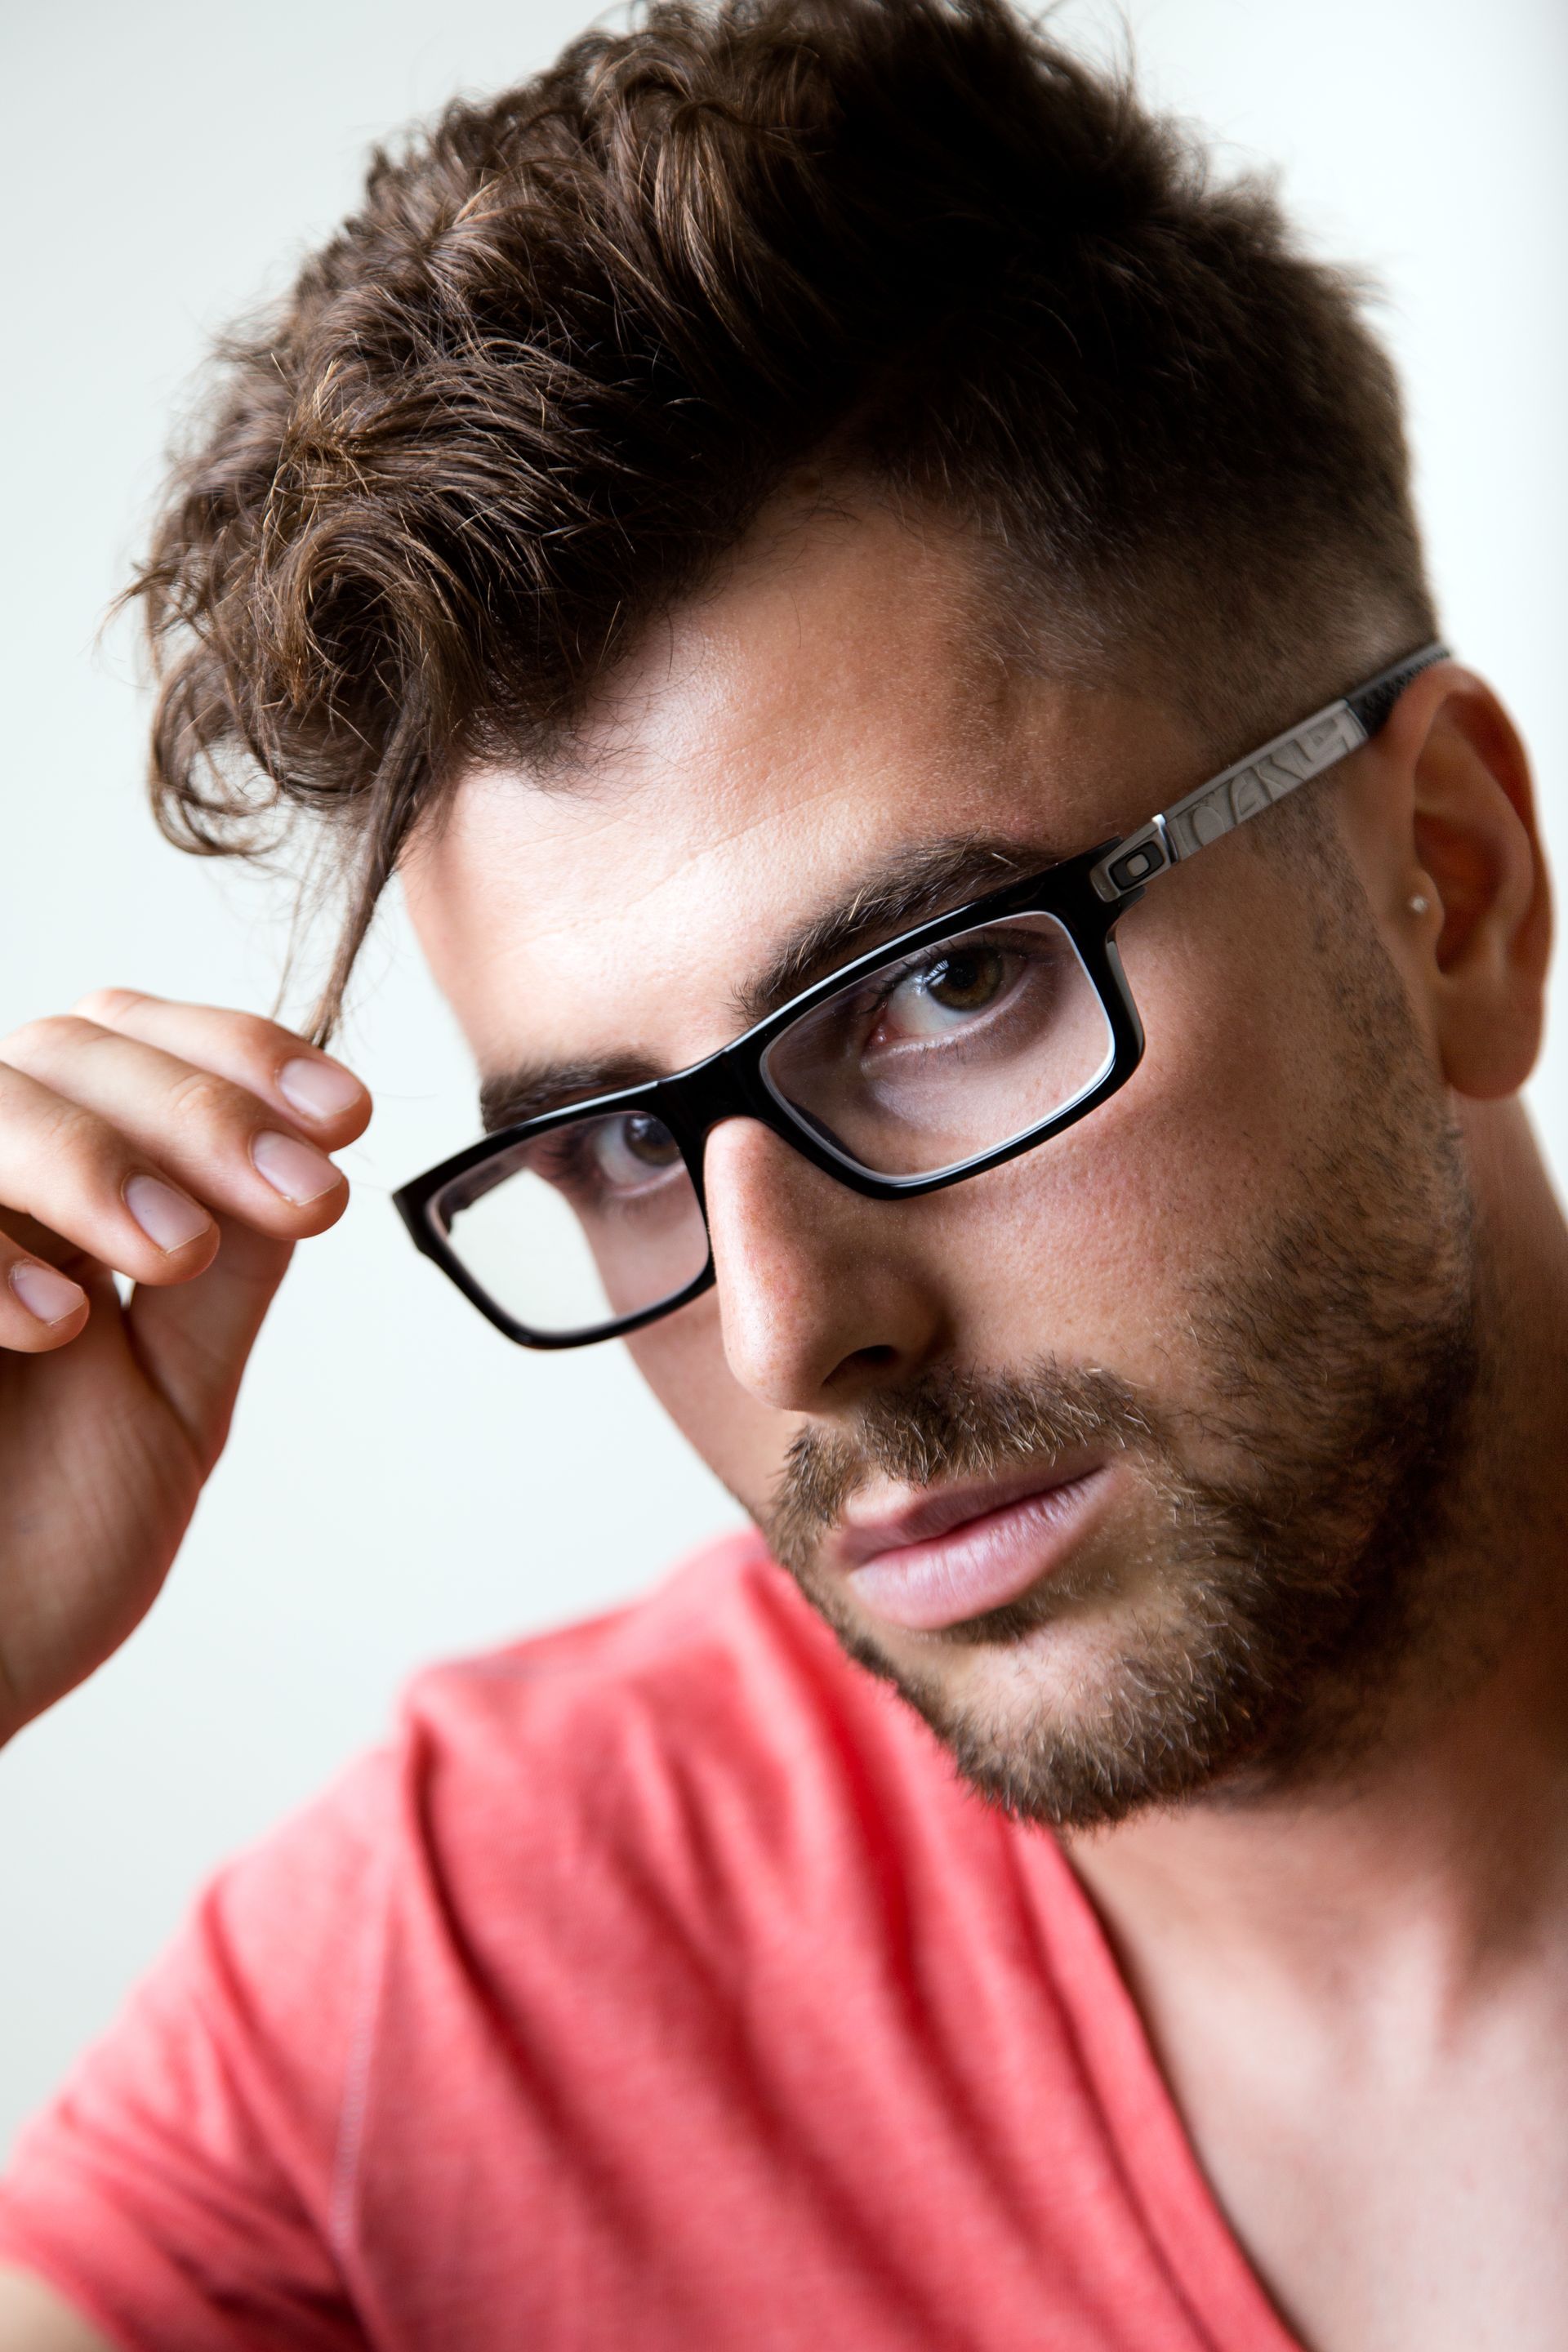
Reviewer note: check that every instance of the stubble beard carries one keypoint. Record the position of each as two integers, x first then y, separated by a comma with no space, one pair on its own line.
1259,1636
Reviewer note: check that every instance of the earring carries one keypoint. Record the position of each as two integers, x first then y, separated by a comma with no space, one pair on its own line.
1418,904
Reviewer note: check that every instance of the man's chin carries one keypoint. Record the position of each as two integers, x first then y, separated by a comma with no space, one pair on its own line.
1061,1706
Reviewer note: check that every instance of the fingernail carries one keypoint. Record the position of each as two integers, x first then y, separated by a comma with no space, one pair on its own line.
297,1169
165,1216
320,1089
49,1296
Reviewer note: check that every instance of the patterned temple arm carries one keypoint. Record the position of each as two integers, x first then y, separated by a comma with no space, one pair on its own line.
1259,781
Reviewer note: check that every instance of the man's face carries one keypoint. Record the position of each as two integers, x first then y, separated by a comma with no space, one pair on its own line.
1116,1458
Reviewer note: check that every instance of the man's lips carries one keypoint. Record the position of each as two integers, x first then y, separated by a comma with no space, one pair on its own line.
944,1558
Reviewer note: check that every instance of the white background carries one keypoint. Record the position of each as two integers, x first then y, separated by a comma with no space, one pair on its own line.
402,1484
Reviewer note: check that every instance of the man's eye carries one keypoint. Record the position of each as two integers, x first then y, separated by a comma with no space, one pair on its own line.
953,988
633,1150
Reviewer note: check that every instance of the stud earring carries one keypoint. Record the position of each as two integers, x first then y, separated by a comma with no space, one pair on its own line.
1418,904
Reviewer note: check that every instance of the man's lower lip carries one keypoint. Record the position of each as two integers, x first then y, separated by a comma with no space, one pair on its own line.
984,1564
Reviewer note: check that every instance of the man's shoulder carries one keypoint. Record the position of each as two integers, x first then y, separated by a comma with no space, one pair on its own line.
538,1778
725,1611
694,1603
722,1674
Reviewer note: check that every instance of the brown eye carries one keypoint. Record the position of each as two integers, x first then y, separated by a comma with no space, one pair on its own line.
649,1141
958,986
967,981
632,1149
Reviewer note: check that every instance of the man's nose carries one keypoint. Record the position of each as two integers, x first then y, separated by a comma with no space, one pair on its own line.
822,1293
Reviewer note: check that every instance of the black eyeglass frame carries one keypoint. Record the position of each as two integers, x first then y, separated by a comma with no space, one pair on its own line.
1087,894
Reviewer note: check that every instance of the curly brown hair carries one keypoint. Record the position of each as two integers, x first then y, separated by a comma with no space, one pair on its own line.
575,336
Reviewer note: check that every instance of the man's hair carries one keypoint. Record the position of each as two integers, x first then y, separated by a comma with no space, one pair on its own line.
578,335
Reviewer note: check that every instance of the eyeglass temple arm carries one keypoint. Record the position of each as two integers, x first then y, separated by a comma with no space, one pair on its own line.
1258,781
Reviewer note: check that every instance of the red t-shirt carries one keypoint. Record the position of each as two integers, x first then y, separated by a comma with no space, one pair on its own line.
659,1987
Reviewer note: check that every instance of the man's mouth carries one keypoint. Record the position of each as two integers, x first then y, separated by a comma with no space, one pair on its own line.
940,1559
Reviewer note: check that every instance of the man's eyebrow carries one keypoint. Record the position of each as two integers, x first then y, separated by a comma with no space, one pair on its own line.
915,883
510,1097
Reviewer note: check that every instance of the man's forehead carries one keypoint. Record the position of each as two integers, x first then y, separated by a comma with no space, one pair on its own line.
777,748
575,970
866,610
726,860
918,880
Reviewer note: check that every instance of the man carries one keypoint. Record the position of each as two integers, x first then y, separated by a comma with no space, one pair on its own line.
876,613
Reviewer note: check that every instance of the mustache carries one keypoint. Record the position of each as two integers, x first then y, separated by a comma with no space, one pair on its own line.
949,1425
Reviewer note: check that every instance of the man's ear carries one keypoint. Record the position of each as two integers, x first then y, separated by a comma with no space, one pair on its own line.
1473,852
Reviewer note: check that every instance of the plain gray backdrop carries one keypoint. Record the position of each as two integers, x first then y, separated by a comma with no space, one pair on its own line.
401,1483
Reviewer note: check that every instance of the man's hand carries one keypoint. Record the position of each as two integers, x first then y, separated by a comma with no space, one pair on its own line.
183,1146
33,2318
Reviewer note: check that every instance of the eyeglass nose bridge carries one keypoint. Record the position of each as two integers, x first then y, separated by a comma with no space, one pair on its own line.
726,1085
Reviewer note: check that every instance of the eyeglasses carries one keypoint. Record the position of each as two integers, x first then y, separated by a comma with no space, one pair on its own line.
965,1041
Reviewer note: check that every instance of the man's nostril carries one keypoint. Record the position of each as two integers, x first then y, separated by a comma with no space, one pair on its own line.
879,1359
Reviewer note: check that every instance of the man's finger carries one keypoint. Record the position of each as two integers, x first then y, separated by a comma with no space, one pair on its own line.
269,1061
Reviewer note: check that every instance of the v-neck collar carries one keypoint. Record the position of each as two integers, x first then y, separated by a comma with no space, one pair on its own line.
1194,2244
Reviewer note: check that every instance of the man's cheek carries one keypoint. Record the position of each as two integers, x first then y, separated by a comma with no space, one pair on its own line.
1084,1252
1157,1198
742,1441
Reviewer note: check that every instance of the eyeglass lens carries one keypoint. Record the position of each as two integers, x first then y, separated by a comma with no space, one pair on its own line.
917,1069
942,1058
595,1221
